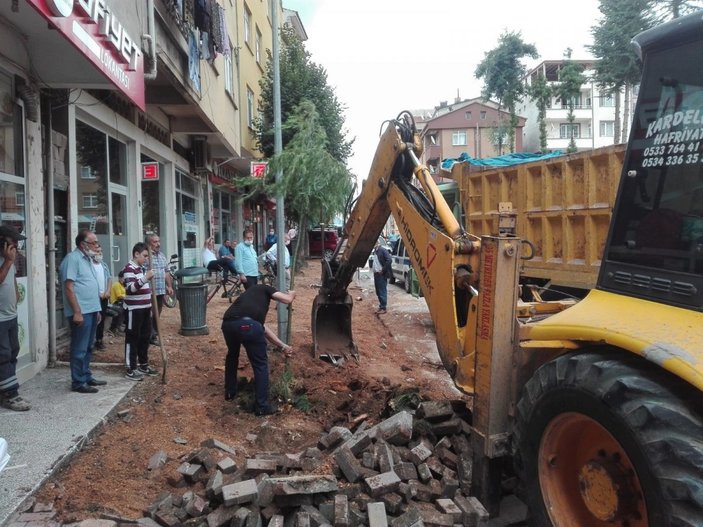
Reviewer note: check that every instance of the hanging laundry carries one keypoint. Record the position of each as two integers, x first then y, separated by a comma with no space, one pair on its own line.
194,61
217,26
189,13
226,49
205,46
201,15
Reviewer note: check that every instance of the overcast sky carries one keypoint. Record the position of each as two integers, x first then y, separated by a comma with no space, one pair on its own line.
385,56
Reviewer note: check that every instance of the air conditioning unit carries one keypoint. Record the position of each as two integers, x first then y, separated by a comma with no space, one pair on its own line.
198,153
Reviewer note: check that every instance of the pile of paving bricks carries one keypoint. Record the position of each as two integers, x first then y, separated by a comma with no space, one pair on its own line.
406,471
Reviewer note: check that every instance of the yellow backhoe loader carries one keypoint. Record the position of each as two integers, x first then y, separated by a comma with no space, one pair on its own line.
598,405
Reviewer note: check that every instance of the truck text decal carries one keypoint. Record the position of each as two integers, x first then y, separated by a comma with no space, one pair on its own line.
411,246
487,290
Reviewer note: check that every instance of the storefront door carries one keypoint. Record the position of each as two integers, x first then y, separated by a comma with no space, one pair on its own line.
120,250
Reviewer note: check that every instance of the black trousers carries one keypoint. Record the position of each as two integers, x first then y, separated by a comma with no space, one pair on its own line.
137,336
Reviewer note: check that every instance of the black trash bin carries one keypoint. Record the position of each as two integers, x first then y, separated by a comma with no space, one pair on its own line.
192,300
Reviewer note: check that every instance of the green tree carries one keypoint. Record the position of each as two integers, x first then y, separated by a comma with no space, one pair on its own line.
541,93
571,78
667,9
315,184
301,79
503,73
618,67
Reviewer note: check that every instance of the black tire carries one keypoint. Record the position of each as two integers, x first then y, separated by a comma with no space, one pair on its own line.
651,415
407,282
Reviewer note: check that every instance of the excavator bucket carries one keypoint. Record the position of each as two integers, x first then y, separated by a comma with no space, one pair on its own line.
331,329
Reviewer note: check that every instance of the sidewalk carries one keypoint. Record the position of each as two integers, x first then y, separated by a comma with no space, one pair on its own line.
44,438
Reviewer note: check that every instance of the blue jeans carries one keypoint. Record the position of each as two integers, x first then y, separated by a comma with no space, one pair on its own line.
381,284
250,333
9,349
82,339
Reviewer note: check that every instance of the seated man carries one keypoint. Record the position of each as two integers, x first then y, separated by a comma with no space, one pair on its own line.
213,263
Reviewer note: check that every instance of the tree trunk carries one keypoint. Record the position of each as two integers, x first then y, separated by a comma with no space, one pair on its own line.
626,113
616,124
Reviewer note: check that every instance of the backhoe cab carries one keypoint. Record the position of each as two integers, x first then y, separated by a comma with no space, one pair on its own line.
599,405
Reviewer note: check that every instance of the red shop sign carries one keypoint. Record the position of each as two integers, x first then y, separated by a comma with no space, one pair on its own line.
150,171
98,34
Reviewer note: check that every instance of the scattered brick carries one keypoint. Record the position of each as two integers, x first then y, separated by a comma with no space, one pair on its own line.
341,511
191,472
377,515
382,483
242,492
158,460
216,443
227,465
435,411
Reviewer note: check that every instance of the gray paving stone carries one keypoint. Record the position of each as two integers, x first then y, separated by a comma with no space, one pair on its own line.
341,511
216,443
227,465
242,492
382,483
377,514
158,460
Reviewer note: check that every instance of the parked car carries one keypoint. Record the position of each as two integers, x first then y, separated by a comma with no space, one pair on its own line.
316,246
400,263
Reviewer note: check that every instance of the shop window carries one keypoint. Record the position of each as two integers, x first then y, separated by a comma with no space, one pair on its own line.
117,155
10,130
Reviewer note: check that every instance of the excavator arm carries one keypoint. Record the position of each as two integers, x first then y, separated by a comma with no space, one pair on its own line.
444,257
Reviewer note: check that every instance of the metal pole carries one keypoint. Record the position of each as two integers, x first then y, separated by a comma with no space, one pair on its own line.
277,149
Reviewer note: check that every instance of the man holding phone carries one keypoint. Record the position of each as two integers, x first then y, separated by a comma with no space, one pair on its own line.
9,329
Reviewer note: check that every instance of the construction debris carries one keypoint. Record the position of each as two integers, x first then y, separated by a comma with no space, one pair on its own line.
384,475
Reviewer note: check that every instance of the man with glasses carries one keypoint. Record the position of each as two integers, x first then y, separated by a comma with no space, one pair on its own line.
9,329
81,304
163,284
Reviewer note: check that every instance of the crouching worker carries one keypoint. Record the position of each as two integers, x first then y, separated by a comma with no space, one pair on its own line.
243,323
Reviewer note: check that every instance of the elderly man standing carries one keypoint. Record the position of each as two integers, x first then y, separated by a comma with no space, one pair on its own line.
81,303
246,261
163,284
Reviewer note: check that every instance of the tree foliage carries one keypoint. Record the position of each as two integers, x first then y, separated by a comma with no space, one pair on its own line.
301,79
618,67
667,9
541,93
571,78
314,183
503,73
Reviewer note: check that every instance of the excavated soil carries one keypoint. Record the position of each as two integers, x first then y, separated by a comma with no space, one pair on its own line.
397,355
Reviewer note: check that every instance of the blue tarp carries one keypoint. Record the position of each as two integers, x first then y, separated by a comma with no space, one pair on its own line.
499,161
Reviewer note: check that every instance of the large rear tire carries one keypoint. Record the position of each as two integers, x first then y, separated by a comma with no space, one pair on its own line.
607,439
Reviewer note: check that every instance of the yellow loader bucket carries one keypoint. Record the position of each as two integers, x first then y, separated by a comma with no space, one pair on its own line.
331,329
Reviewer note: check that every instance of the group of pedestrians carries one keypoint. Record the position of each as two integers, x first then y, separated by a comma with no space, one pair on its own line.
88,289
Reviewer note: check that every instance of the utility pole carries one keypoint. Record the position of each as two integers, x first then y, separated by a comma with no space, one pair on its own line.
277,149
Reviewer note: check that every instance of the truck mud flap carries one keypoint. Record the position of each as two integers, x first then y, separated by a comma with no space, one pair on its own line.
331,329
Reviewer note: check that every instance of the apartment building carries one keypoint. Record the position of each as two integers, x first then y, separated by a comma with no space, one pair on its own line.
471,126
594,113
125,117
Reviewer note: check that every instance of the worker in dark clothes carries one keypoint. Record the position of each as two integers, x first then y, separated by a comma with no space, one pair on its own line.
243,323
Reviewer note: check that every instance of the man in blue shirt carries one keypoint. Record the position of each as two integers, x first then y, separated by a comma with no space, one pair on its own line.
245,260
81,304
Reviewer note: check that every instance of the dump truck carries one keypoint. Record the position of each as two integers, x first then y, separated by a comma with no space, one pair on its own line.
597,406
562,207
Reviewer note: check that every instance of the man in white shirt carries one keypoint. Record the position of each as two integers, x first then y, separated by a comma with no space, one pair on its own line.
272,256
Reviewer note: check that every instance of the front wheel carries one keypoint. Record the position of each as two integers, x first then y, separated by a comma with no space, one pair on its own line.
604,439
